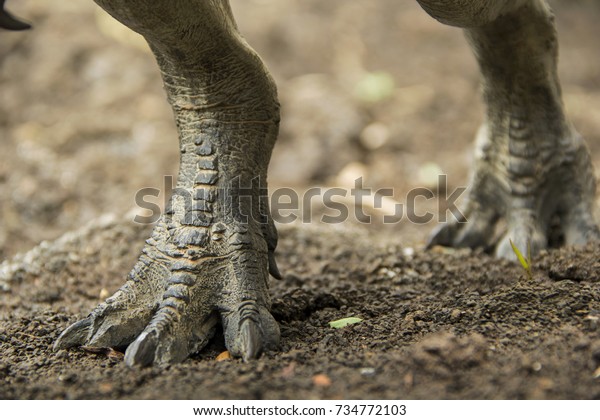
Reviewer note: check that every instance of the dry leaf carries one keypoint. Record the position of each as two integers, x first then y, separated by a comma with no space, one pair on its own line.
223,356
105,351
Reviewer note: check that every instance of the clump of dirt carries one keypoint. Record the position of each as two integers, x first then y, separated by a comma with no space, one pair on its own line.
84,125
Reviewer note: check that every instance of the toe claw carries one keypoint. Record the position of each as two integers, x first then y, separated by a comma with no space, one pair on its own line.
250,331
142,351
580,230
273,269
249,340
75,335
442,235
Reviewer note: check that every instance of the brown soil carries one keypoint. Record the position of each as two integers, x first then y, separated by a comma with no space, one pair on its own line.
84,125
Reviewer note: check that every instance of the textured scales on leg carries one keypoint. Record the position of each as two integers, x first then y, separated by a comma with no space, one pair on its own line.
532,168
209,257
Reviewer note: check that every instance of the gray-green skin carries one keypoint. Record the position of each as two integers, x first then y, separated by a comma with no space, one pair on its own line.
207,262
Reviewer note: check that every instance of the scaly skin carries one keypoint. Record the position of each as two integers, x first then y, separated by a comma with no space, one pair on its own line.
531,165
209,256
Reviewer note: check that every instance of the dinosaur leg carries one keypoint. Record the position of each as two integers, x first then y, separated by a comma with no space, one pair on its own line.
532,168
209,257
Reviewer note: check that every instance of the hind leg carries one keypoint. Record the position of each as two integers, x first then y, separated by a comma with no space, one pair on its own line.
209,257
531,165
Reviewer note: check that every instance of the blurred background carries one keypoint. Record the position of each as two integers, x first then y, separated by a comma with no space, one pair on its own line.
369,88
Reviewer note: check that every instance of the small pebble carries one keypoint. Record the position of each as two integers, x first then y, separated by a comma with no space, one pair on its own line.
321,380
368,371
104,294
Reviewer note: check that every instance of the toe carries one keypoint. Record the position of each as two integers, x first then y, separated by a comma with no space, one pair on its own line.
175,332
579,226
526,235
249,330
75,335
118,329
443,235
121,318
476,230
143,350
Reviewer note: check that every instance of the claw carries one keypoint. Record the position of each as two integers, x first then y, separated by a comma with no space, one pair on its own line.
579,226
249,340
142,351
442,235
171,336
8,21
474,229
75,335
528,237
160,343
273,269
250,330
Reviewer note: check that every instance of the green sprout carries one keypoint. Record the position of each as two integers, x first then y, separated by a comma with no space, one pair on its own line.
525,262
341,323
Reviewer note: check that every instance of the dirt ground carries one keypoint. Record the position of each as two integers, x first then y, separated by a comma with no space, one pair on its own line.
371,88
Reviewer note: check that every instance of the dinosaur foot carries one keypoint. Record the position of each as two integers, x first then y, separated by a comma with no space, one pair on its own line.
177,294
522,203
